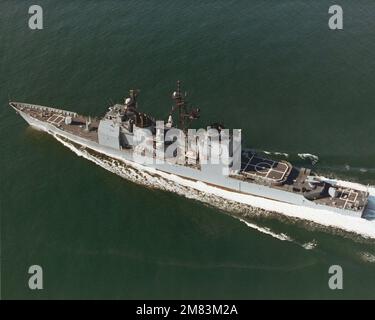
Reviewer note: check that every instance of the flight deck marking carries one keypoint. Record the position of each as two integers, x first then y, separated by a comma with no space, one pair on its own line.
268,166
248,162
348,193
347,198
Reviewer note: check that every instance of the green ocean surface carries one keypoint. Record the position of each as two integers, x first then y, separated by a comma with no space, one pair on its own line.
272,68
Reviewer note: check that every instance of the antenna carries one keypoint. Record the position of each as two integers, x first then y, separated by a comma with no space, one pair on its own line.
184,116
88,123
109,102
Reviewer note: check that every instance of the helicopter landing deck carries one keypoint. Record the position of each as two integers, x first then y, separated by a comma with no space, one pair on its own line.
254,165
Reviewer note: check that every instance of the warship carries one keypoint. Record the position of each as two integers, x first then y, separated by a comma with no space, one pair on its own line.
258,177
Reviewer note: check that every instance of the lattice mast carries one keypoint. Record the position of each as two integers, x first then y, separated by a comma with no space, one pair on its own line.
185,116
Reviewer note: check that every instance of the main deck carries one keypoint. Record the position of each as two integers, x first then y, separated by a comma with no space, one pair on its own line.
254,168
79,125
282,175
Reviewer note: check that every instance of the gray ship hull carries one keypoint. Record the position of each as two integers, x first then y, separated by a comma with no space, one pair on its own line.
208,178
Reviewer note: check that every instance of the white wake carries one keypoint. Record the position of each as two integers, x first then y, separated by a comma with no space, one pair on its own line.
280,236
242,205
